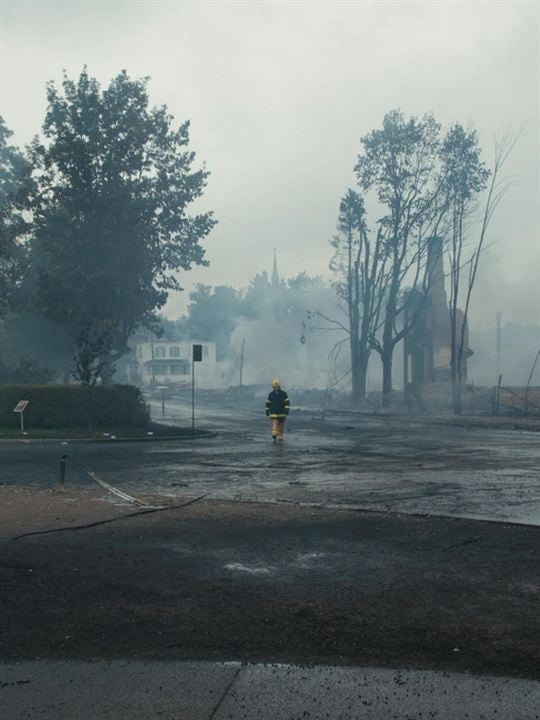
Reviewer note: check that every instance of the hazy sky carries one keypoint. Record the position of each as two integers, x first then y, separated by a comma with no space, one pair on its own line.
279,93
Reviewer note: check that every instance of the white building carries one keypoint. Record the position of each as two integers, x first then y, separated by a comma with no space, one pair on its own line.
169,363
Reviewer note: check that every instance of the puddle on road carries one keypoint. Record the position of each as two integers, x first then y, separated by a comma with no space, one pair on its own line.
238,567
309,561
417,470
303,561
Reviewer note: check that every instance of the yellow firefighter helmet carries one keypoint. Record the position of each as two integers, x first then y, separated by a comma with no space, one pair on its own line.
276,383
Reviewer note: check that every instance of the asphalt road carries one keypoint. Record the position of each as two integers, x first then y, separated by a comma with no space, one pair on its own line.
256,582
374,463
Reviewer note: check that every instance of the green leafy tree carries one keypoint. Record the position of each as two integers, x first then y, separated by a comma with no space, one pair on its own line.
114,181
256,297
400,163
304,282
26,334
15,184
359,266
213,314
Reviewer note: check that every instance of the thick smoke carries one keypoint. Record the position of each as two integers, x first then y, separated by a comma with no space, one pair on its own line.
283,338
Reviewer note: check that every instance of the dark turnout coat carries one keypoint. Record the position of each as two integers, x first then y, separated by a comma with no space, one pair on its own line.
277,405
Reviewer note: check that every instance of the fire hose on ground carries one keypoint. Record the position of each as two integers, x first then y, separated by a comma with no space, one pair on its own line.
110,488
144,508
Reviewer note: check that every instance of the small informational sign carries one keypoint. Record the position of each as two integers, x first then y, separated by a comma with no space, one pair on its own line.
197,353
20,406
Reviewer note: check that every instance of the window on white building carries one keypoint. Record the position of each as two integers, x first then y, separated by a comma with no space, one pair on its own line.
174,351
179,369
159,351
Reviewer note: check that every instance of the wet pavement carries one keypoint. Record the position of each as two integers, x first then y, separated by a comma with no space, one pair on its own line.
377,463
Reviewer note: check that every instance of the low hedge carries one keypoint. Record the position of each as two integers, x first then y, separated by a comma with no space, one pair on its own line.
63,406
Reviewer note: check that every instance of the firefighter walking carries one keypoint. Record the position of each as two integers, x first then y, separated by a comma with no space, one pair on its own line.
277,408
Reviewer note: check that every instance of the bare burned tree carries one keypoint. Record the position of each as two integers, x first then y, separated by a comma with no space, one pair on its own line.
465,176
529,380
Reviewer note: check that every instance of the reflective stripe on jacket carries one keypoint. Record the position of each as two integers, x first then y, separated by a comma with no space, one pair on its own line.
277,404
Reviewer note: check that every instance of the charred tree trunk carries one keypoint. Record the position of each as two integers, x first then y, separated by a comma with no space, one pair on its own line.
356,326
455,374
455,271
356,377
359,366
456,397
363,363
387,350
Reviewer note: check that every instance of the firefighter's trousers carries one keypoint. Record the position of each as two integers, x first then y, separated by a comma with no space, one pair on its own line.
278,427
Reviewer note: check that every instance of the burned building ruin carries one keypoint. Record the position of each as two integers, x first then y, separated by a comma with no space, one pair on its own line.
427,347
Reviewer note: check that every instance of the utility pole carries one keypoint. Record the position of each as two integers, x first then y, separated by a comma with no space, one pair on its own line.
153,367
242,362
499,318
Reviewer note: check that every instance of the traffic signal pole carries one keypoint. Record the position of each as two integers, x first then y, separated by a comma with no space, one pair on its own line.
192,394
196,356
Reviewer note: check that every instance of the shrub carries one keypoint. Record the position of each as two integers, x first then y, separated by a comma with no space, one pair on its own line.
28,372
62,406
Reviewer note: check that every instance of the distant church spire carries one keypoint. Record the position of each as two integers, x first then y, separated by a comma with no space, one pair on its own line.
275,274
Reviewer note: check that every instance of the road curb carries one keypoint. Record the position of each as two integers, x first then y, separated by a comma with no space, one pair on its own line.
191,436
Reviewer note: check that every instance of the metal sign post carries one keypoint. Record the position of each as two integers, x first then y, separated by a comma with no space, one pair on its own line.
162,390
20,408
242,362
195,357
